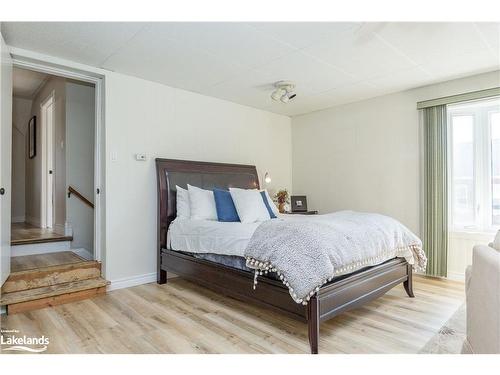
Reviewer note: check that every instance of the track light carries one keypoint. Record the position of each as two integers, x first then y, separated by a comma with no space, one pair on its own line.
277,94
284,91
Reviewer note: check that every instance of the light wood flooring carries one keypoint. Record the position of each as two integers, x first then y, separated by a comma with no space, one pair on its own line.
23,233
181,317
29,262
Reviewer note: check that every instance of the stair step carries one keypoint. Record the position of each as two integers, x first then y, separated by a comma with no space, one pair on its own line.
45,259
31,295
51,275
41,239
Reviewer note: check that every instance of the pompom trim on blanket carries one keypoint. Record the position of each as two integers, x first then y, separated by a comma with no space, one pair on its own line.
409,253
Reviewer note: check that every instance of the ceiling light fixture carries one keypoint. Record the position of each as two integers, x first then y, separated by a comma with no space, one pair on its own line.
284,91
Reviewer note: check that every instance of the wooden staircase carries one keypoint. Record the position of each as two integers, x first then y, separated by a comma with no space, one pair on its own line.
36,288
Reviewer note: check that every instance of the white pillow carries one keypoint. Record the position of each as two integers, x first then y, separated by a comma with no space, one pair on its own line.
202,203
249,205
183,209
271,204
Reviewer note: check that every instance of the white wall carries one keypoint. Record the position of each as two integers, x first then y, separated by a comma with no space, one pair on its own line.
161,121
80,124
365,155
21,112
142,116
34,166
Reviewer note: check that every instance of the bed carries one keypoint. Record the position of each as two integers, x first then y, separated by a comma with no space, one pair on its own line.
221,274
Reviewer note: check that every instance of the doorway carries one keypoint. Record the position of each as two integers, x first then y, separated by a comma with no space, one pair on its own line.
54,209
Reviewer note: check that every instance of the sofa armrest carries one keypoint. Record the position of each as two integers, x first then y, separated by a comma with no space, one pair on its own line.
483,301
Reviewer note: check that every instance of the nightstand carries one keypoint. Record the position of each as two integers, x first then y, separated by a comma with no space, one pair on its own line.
302,213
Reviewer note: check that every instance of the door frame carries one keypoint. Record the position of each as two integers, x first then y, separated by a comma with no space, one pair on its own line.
98,82
48,162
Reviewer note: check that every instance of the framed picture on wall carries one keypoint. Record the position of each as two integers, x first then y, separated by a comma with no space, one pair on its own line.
32,137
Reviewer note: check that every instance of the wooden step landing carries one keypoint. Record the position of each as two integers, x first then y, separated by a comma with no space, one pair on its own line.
24,234
37,298
39,261
51,275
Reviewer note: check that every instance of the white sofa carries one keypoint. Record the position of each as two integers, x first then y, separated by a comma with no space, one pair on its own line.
482,286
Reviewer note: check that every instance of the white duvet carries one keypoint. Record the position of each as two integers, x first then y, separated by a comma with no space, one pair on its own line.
208,236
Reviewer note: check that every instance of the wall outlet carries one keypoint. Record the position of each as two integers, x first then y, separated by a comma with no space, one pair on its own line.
141,157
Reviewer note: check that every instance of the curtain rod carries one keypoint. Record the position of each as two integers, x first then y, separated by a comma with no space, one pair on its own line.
495,91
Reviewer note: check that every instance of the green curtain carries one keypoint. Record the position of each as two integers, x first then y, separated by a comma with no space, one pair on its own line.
435,221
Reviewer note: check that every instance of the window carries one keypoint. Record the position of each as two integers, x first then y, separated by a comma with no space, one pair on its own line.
475,165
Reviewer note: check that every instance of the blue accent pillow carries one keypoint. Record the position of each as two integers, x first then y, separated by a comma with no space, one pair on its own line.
266,202
226,211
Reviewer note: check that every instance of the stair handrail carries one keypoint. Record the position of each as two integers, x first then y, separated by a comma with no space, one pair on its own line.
72,190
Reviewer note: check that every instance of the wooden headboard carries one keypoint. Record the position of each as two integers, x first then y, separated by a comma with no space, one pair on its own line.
205,175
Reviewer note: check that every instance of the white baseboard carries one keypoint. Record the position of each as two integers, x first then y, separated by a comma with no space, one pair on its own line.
84,253
68,229
18,219
39,248
456,276
128,282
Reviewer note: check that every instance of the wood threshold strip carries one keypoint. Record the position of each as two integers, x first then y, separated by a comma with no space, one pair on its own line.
72,190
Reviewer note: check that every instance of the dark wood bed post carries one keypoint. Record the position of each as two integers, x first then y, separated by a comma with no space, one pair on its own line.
313,323
408,284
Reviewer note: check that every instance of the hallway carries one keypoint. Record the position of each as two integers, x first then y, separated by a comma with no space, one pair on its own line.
24,234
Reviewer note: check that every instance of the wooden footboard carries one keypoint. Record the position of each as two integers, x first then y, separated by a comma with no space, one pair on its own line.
334,298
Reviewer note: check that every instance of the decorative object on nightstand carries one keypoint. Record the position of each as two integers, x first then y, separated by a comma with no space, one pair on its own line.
282,198
299,205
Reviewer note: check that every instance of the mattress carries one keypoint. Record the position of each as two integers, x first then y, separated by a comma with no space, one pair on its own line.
209,237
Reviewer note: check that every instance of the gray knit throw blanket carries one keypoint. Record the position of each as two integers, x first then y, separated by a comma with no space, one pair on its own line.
309,251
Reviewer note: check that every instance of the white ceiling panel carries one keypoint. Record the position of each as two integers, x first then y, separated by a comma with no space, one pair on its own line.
153,57
490,32
303,34
86,42
399,80
361,53
420,40
330,63
460,64
236,42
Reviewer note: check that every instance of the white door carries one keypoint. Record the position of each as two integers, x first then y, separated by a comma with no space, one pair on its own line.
47,125
5,158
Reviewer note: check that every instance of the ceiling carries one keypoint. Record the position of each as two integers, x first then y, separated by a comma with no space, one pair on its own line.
331,63
25,83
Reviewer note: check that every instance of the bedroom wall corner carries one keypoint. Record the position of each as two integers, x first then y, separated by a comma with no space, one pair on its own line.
161,121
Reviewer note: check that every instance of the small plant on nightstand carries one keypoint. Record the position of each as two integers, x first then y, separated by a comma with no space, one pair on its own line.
282,197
